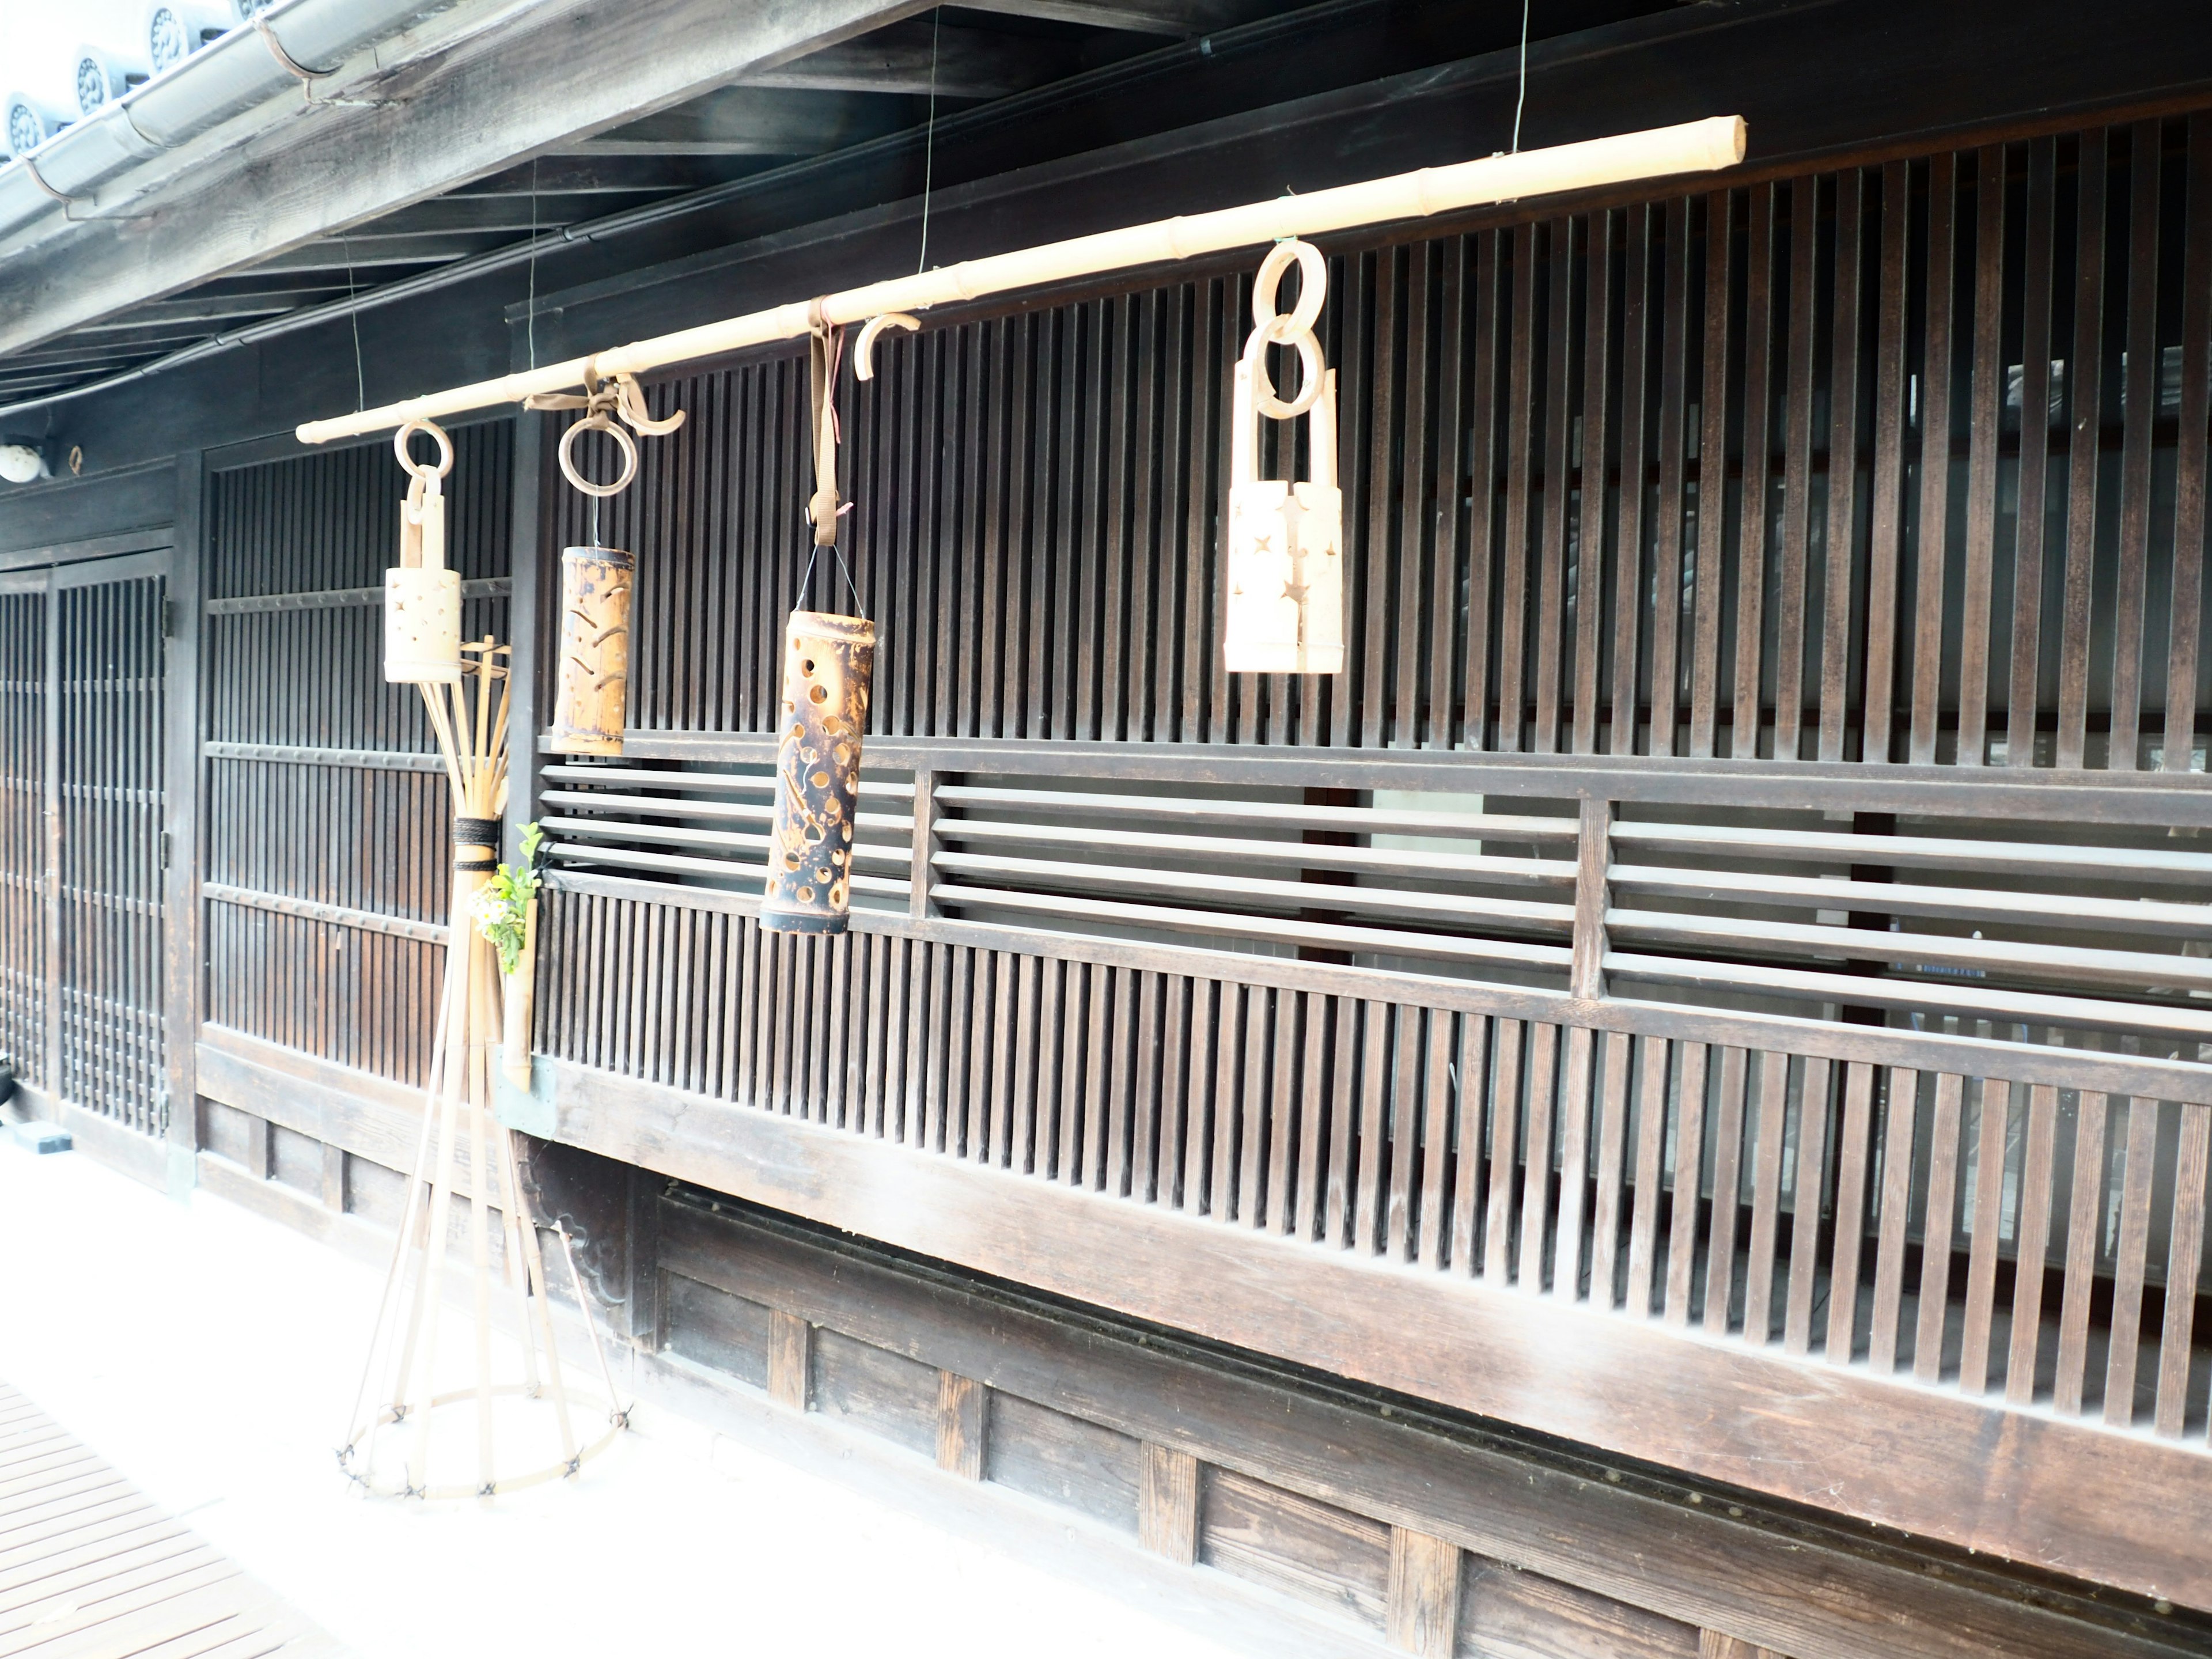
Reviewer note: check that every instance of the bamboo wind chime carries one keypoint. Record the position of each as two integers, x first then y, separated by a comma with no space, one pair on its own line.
591,682
464,1151
828,662
1284,563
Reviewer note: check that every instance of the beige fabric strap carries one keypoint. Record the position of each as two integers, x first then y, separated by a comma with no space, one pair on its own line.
827,348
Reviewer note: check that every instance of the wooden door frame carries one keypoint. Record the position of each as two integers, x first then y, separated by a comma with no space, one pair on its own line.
52,571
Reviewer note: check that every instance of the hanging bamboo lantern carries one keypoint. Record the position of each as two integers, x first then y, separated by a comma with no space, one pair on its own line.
1284,556
828,661
592,681
591,671
421,597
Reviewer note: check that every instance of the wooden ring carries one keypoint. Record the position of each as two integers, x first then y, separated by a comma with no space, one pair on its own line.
407,461
1313,288
623,440
1264,396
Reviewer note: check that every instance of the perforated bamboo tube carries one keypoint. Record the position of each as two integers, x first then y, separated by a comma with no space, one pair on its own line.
1693,147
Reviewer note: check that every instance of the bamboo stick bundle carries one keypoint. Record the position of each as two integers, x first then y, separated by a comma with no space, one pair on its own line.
393,1448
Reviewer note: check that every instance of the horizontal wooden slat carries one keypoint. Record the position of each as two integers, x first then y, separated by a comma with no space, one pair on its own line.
337,915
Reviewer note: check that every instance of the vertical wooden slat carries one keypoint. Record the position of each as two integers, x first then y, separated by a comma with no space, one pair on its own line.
1689,1174
1482,489
1939,1228
1541,1106
1612,1154
1765,1198
1651,1147
1402,1121
1628,557
2085,374
1982,1252
1728,1154
2140,378
1513,596
1666,545
1504,1157
1559,425
1886,509
1933,535
1806,1204
1470,1080
2031,1241
1986,397
1592,466
1842,527
1852,1150
2024,689
2185,638
2084,1216
1790,618
2184,1250
1435,1218
1574,1160
2130,1259
1711,586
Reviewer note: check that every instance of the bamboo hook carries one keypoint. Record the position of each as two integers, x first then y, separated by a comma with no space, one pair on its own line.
863,349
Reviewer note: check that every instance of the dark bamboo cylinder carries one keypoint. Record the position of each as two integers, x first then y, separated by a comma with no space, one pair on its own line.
828,661
592,680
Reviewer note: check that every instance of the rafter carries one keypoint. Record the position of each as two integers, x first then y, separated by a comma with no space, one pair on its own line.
914,56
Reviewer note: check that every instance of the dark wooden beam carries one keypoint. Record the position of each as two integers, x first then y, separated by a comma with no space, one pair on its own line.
1806,1589
1176,17
752,121
914,57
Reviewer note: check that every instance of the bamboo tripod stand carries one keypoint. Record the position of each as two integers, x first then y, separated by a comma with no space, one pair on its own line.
469,718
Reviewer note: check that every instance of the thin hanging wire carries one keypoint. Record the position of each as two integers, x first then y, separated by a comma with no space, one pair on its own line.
531,322
352,314
929,141
1522,102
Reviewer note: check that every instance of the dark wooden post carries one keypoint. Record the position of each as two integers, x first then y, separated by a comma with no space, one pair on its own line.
1167,1503
180,820
524,611
963,1413
1422,1613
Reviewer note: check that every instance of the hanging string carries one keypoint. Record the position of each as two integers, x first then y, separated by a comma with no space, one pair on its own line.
352,315
929,141
1522,102
825,356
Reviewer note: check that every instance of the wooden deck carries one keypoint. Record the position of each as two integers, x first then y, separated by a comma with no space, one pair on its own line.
91,1568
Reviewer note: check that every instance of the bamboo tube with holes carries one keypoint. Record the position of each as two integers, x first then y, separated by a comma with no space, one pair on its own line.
828,662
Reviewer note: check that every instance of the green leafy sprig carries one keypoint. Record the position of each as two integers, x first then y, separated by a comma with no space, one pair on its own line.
503,907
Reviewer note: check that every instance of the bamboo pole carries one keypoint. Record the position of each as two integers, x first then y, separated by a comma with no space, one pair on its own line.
1693,147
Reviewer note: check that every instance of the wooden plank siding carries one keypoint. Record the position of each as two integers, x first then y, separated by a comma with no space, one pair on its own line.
1745,881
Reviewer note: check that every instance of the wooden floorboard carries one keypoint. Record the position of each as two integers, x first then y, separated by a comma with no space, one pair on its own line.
90,1569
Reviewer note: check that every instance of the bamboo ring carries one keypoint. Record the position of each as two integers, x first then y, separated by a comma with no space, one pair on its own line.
1291,328
423,474
624,441
1313,288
